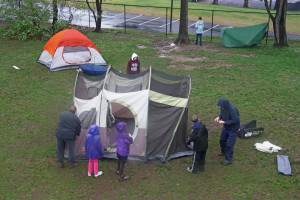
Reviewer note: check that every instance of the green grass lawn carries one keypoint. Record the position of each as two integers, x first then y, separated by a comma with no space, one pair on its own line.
263,82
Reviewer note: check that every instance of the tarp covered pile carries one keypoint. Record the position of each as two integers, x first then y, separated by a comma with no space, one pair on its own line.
243,36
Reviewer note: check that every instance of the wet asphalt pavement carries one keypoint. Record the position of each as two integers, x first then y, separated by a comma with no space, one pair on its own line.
144,23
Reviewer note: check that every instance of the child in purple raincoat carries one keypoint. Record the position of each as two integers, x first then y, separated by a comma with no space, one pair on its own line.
93,150
123,140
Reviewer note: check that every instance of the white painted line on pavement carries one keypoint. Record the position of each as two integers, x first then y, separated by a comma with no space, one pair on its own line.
149,21
130,19
210,28
192,24
169,23
112,16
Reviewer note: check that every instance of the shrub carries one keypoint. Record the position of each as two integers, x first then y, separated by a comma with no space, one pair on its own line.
30,20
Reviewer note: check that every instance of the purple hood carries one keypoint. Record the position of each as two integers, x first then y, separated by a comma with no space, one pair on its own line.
123,140
94,129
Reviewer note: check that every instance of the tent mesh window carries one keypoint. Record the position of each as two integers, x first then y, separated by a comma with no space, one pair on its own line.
76,55
176,86
123,83
88,87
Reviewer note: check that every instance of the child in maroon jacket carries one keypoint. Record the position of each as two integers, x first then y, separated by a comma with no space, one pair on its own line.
133,66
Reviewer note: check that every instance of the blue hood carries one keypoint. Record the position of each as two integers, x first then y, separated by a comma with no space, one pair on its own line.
196,125
94,129
223,103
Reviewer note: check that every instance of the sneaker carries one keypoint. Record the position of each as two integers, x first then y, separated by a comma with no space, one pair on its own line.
226,162
89,174
221,154
117,172
75,164
124,178
61,165
189,169
99,174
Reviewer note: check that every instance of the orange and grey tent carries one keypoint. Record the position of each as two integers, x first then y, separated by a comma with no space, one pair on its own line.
68,49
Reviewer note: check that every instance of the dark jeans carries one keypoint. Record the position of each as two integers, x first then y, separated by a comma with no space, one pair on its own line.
198,161
60,146
227,142
121,164
199,35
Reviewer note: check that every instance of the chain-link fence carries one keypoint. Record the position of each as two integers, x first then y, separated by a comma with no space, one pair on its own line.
166,20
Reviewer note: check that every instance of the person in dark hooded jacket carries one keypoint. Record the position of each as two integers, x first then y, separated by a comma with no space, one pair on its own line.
68,127
199,136
93,150
123,141
230,119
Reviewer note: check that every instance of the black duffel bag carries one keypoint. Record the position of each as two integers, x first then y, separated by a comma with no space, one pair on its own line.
249,130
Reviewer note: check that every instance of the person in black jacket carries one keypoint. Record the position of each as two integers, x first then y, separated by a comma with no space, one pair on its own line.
68,127
199,136
229,117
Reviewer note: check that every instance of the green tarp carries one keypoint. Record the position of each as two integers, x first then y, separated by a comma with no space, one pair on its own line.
243,36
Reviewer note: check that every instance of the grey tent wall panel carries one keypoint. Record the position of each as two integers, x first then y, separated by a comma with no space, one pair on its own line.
88,87
162,125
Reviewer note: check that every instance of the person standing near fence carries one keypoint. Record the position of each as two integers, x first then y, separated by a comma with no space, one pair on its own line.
199,30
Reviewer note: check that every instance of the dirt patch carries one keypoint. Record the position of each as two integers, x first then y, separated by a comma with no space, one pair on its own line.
184,67
183,58
141,46
220,64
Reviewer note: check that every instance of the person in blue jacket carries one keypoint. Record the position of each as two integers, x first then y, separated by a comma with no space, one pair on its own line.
199,137
93,150
123,142
229,118
199,30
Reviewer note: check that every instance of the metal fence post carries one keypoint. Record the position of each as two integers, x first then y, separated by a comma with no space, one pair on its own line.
167,22
171,16
212,25
125,17
89,19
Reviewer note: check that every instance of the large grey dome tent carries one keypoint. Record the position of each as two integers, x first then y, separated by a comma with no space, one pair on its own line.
152,103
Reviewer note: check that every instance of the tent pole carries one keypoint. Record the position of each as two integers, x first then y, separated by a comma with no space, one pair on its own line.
150,74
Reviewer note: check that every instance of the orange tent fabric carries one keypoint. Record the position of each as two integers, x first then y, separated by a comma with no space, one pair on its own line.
68,37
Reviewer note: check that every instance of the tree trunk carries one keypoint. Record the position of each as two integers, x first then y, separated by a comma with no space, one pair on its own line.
279,23
183,36
215,2
246,2
55,18
97,16
277,3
